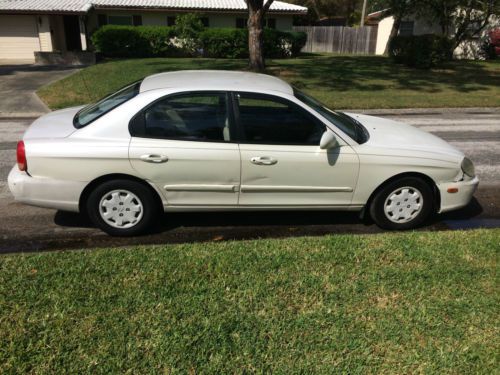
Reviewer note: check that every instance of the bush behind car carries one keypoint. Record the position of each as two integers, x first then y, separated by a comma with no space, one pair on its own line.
420,51
164,41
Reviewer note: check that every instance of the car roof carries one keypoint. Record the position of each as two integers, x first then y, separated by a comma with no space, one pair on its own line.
215,80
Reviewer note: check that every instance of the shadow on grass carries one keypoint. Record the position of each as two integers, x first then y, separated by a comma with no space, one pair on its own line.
374,73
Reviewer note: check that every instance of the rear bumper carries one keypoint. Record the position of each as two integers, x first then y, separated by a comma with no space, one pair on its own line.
45,192
453,201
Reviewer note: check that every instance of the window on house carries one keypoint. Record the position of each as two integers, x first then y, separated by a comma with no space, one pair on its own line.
271,23
171,20
137,20
102,20
406,28
241,23
120,20
205,21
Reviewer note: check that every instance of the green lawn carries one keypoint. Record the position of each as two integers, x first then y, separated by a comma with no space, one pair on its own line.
339,81
394,303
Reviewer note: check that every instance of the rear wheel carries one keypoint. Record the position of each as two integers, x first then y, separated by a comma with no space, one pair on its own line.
122,207
402,204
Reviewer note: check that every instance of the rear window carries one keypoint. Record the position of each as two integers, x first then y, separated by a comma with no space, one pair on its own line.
96,110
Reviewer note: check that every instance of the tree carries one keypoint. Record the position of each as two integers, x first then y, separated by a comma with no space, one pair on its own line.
257,9
318,9
460,19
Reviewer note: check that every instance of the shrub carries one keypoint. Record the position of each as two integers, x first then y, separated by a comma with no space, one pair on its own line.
420,51
188,28
279,44
159,39
187,37
225,43
233,43
298,40
134,41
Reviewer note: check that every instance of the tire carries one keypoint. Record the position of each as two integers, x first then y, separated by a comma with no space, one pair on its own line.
122,207
402,204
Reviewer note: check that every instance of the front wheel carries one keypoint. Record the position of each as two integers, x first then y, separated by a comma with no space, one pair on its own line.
122,207
402,204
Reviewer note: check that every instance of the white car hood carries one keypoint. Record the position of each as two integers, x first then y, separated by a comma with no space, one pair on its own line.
57,124
392,135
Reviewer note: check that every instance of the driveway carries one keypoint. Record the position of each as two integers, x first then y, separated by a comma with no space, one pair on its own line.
18,83
476,132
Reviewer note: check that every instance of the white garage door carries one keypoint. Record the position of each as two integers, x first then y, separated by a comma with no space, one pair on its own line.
18,37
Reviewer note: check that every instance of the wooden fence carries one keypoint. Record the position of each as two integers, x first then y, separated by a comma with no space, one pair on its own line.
340,39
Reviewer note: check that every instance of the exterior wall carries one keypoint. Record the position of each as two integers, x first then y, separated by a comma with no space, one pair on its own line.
420,27
44,33
384,31
57,29
220,20
471,49
284,23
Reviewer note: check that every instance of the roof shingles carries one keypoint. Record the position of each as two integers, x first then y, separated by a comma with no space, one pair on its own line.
82,6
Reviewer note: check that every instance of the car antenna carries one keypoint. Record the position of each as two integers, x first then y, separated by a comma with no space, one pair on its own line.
91,99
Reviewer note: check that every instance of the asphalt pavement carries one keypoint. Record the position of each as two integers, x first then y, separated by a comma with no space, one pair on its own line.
474,131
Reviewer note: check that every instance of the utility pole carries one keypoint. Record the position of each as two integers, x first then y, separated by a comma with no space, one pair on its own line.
363,12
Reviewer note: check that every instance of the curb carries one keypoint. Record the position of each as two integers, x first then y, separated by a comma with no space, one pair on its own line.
380,112
427,111
20,115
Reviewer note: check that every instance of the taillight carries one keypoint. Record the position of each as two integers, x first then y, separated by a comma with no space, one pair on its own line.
21,156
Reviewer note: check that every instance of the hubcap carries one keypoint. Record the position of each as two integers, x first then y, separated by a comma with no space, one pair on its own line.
121,209
403,205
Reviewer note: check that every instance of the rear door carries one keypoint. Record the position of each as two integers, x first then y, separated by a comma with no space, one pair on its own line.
183,144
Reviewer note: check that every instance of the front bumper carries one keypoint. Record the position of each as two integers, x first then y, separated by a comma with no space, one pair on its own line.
453,201
45,192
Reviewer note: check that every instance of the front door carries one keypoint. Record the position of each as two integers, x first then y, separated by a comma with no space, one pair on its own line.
72,33
281,161
182,143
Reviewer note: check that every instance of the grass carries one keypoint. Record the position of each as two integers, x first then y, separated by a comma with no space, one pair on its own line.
340,81
392,303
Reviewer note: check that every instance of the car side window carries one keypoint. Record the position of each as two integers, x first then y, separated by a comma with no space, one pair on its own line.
192,117
271,120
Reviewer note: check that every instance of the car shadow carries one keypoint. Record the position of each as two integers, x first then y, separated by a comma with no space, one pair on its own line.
169,221
264,223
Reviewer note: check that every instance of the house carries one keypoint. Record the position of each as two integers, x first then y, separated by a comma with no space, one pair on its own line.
414,25
29,26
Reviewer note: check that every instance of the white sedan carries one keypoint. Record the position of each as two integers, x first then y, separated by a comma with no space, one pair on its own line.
216,140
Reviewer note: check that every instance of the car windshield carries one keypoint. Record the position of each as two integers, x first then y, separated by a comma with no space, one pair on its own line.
347,124
96,110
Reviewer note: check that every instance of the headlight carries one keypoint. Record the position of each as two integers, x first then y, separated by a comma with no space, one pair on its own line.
468,167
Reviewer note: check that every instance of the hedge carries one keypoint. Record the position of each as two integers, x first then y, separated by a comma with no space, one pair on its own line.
224,43
160,41
134,41
233,43
421,51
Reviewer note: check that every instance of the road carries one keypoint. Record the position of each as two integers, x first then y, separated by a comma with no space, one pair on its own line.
475,132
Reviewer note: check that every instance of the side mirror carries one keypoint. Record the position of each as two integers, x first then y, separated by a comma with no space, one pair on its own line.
328,140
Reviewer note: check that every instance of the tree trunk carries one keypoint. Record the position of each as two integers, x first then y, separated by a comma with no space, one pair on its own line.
394,32
256,39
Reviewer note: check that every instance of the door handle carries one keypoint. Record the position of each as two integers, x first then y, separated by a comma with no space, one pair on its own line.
151,158
263,160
